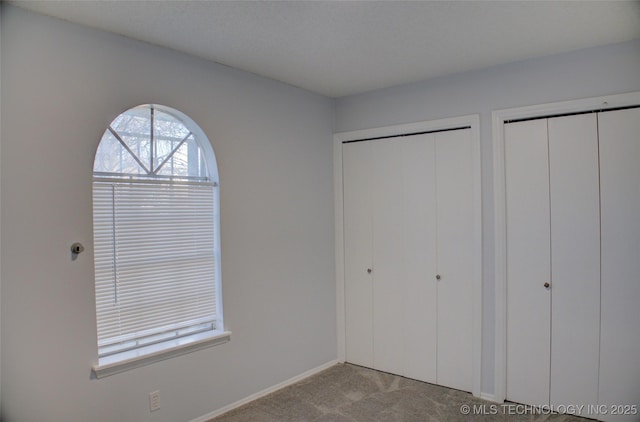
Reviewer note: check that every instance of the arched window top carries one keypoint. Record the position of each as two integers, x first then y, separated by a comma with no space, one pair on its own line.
152,141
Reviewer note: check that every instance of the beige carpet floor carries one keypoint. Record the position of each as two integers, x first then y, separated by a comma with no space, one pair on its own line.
349,393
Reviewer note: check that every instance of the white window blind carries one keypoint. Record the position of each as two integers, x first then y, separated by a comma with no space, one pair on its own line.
155,258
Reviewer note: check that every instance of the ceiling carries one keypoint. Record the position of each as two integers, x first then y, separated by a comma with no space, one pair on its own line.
338,48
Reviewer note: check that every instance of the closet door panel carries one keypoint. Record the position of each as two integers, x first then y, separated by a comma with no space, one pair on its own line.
419,308
575,259
455,257
358,241
619,135
528,262
388,255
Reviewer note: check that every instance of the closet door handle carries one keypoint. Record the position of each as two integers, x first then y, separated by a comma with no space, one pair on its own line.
438,277
546,285
369,270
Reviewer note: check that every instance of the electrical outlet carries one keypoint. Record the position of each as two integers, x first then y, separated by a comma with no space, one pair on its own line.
154,401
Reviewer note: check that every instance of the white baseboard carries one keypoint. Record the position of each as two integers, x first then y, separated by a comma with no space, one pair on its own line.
259,394
489,397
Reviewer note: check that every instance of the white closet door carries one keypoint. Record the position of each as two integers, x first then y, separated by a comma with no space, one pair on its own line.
420,295
388,256
358,241
619,133
455,257
528,257
408,213
575,259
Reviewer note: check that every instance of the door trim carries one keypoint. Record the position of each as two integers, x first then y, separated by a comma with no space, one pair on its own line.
499,117
471,121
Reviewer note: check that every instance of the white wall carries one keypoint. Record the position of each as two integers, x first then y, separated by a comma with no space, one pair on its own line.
62,85
591,72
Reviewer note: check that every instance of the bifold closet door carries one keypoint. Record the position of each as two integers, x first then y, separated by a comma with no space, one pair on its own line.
357,159
389,280
438,254
619,133
419,251
409,253
575,259
553,260
389,235
455,258
528,262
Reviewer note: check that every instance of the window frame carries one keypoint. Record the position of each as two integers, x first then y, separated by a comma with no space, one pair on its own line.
144,355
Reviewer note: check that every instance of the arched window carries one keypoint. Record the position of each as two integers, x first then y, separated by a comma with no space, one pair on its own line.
156,235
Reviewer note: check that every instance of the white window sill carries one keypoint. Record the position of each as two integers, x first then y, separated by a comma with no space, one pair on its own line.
130,359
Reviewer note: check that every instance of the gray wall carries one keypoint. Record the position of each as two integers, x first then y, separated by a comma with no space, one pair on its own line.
62,85
590,72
